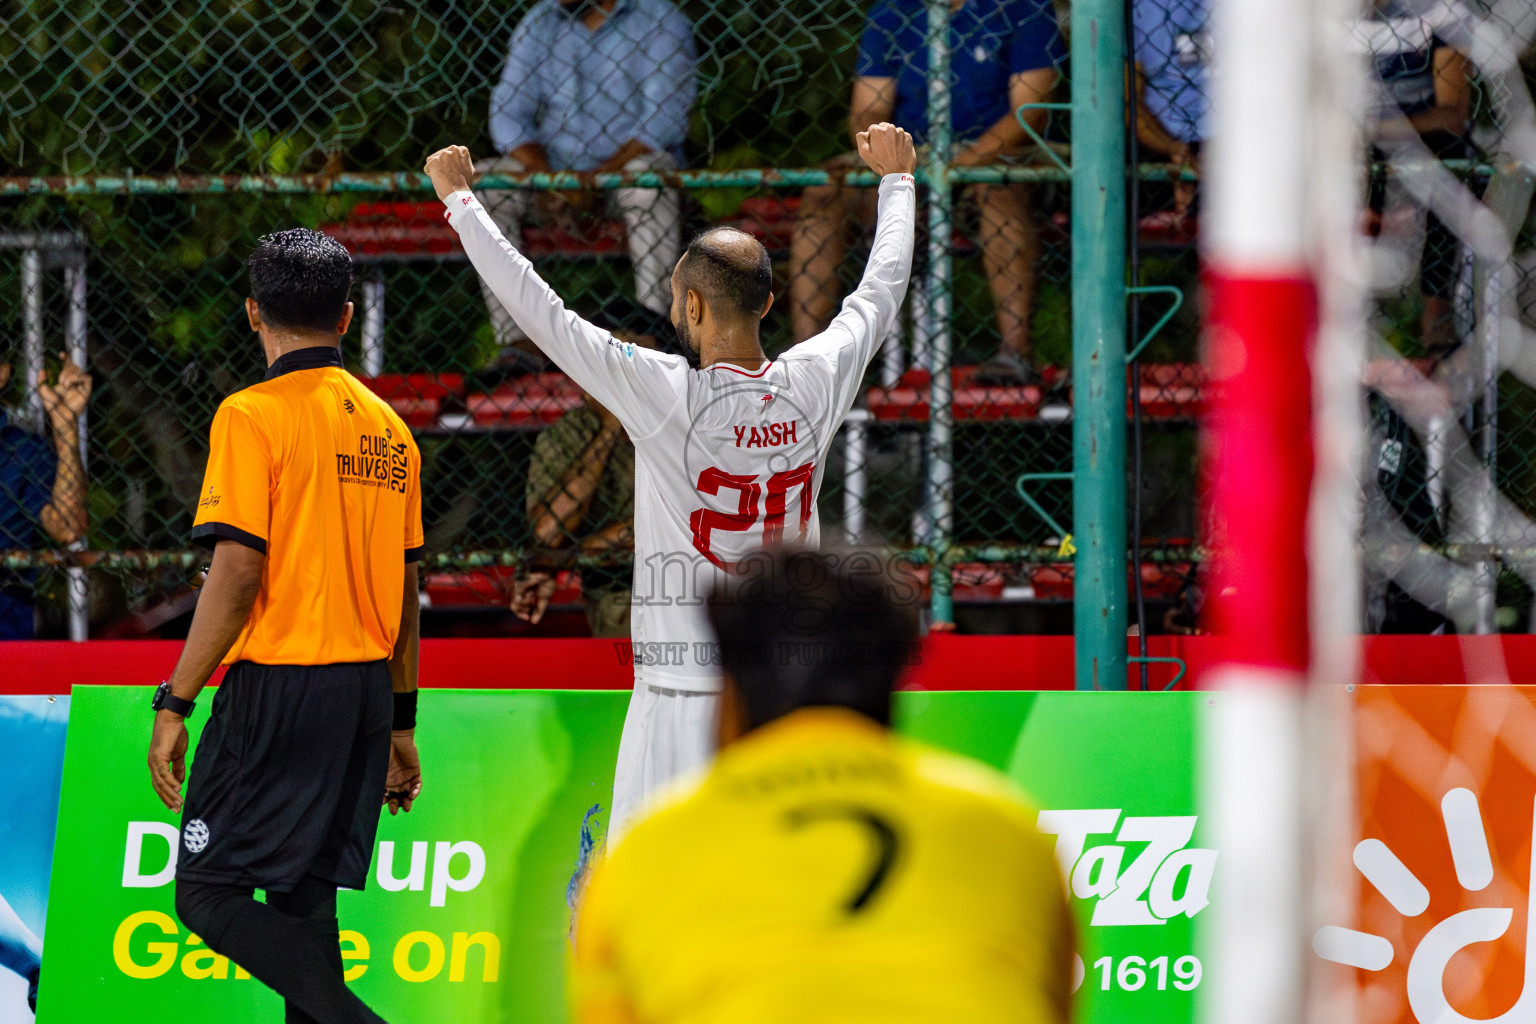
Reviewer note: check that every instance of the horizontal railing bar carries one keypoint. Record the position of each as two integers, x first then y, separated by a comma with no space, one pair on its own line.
415,181
1001,552
68,241
189,559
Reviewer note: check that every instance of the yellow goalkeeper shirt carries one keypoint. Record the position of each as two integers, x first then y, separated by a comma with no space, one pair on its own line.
826,871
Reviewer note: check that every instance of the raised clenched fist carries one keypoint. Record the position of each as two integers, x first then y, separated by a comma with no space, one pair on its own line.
887,149
65,401
451,170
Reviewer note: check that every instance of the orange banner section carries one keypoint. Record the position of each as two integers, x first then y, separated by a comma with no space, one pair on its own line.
1447,778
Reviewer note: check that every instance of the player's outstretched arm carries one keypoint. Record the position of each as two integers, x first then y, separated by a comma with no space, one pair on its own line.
870,311
636,384
889,152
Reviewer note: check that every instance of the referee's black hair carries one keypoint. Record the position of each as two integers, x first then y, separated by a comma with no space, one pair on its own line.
730,269
802,629
300,279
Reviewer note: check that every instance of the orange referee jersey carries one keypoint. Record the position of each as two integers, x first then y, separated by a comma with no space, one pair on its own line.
312,469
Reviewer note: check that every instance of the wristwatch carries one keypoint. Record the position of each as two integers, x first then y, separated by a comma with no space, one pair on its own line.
164,698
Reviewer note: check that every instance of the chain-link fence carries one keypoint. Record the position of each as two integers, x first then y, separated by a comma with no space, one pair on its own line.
147,148
1447,486
185,132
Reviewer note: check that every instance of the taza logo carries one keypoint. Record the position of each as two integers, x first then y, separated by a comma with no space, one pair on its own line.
1150,885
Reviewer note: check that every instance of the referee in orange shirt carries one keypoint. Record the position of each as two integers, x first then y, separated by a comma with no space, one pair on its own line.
312,505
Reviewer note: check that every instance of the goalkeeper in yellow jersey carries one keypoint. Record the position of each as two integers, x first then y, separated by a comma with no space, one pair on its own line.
824,870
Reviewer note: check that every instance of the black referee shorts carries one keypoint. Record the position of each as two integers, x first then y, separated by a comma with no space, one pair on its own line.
288,776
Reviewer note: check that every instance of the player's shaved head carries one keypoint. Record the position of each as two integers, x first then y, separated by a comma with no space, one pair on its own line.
731,270
802,629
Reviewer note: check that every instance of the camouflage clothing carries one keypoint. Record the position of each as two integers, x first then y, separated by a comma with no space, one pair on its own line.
557,450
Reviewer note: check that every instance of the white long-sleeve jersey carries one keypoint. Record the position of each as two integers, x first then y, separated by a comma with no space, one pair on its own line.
726,460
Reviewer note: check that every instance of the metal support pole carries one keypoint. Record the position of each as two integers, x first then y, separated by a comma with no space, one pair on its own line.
1484,512
893,361
1099,342
940,404
32,334
1508,195
75,339
373,324
855,459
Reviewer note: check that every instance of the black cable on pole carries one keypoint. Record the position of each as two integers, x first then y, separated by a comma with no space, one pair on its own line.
1133,151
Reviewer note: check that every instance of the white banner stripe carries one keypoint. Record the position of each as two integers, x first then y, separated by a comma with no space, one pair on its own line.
1351,948
1391,877
1469,843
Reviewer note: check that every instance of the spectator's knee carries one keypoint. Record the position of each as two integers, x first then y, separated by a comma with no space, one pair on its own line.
820,201
1003,202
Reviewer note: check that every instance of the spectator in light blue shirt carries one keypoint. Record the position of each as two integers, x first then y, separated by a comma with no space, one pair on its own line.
595,86
1172,50
1172,47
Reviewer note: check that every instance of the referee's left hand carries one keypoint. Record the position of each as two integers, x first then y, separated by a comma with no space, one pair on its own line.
168,757
403,784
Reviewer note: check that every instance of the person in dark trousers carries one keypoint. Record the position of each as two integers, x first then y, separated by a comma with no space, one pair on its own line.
312,505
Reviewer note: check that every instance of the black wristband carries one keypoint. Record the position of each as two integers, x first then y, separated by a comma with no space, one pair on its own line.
405,710
164,698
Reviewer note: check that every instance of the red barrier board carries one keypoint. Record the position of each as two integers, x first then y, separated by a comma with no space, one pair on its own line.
947,662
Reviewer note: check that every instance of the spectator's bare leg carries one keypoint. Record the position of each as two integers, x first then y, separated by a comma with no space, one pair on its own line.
816,251
1010,248
508,208
653,222
1437,328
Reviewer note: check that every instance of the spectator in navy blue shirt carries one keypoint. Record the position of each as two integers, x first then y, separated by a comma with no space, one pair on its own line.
595,86
1004,54
42,489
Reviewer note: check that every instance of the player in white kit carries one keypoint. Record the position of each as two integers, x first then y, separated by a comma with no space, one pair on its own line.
730,447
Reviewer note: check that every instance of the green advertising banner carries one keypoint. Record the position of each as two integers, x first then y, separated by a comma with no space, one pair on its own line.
467,913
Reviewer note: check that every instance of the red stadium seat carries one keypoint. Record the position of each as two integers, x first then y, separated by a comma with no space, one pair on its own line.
418,231
526,403
1173,391
1168,391
384,230
417,397
594,238
908,400
490,586
769,219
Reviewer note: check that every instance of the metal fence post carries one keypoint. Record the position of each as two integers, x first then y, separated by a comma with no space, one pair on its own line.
1099,342
373,323
32,335
77,339
940,426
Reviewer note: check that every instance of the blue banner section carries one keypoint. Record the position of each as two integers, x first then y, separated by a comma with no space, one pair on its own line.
31,763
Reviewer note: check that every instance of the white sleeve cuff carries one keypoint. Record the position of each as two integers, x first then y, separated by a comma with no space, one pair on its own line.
457,202
897,178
